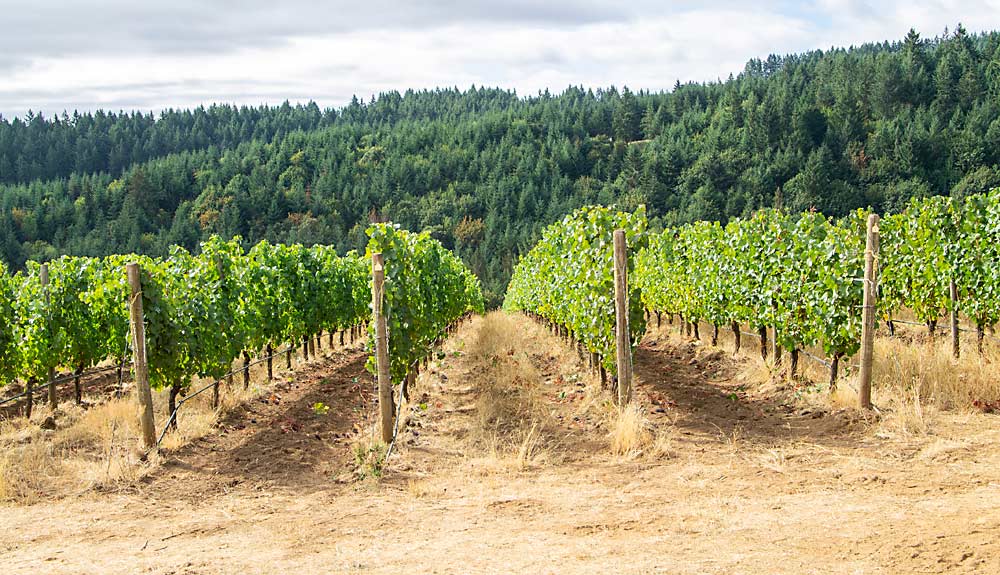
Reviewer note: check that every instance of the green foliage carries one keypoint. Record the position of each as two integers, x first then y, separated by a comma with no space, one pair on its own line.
203,311
484,170
107,298
801,276
89,313
200,311
934,241
187,319
915,266
9,348
33,326
976,257
568,277
426,289
370,459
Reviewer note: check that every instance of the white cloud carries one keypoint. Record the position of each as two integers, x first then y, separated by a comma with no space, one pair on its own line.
179,56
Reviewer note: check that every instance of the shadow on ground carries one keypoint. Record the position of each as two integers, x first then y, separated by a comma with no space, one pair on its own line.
279,441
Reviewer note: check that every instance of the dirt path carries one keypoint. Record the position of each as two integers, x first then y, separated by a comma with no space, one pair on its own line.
749,483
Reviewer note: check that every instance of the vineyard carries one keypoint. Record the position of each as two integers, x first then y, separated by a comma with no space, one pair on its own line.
200,313
264,308
450,411
797,280
479,430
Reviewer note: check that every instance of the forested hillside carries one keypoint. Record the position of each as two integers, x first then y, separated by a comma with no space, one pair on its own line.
486,169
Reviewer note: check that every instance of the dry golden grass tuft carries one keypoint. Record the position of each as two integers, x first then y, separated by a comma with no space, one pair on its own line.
25,468
423,488
928,372
903,416
526,449
632,435
844,397
630,431
96,427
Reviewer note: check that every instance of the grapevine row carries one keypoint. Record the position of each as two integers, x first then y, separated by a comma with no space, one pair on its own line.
801,275
938,240
568,278
201,312
427,289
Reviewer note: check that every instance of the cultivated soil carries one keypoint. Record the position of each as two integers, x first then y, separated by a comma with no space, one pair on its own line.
733,477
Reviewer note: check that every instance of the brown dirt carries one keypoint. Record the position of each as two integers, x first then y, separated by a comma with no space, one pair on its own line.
753,482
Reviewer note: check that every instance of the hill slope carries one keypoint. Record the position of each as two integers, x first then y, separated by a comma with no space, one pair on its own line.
484,169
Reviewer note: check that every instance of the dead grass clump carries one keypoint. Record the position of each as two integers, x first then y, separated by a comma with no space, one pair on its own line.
525,449
906,416
192,423
505,404
927,372
498,335
89,449
844,397
630,432
632,435
93,428
95,448
423,488
26,471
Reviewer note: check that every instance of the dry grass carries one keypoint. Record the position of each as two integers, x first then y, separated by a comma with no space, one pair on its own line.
914,381
914,378
906,416
424,488
631,435
630,431
527,449
510,418
844,397
92,449
100,447
506,385
927,372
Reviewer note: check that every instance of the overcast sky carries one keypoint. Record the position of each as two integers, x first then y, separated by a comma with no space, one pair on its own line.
153,54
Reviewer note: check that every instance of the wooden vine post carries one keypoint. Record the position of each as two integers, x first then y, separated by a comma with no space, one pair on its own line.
955,345
215,386
623,338
381,349
868,322
43,278
143,393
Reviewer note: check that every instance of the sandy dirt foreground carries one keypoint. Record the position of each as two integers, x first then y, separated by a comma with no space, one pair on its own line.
748,485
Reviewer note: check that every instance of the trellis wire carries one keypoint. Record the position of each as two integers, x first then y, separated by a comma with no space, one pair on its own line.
43,386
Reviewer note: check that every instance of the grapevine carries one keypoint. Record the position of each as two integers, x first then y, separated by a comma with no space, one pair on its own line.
568,277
